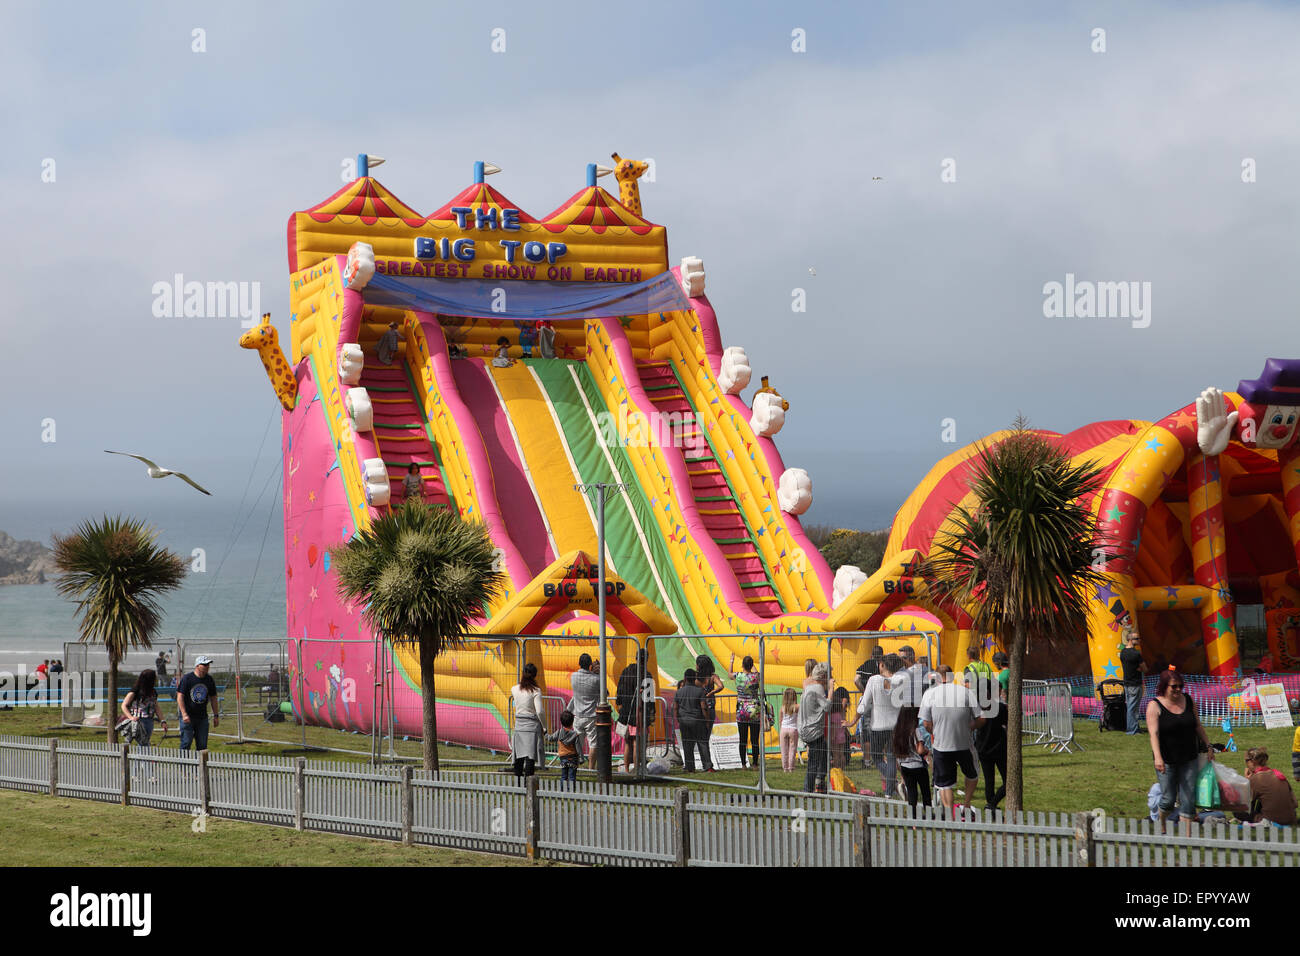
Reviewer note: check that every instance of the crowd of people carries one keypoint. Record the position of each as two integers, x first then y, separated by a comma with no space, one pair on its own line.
910,722
924,731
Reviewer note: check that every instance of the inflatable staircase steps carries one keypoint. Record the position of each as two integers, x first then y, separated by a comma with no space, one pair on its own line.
400,434
714,501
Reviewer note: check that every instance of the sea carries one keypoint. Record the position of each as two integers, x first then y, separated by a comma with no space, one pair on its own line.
235,588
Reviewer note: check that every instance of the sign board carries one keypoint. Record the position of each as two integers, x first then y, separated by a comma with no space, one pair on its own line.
724,746
1273,705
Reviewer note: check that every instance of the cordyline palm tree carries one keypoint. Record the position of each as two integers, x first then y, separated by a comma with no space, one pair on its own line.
1023,563
114,569
423,573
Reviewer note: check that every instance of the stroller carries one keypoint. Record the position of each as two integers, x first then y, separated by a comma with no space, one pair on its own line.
1114,714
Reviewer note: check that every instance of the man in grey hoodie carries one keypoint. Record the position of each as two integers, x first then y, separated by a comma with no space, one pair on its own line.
585,684
814,707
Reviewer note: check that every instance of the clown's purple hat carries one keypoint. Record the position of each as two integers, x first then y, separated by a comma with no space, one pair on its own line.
1278,385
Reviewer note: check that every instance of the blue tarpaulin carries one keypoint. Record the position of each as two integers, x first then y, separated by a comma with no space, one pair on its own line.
526,300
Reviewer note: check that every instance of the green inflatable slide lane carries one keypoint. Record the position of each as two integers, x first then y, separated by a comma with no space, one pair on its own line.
578,406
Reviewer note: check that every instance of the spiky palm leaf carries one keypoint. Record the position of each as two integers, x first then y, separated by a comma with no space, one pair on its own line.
114,569
1024,561
423,574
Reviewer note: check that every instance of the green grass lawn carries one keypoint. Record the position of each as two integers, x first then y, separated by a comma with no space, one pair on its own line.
38,830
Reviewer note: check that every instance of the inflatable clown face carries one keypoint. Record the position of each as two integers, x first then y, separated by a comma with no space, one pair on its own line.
1274,427
1269,414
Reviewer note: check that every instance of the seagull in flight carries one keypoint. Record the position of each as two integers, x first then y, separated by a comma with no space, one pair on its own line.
157,471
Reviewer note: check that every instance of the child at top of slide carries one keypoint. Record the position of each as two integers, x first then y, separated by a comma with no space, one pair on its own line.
502,359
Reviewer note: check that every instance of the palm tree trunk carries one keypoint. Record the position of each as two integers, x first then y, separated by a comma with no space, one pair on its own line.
111,695
1015,719
430,697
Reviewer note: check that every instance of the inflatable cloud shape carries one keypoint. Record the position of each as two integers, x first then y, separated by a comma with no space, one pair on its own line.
375,474
360,265
794,493
351,362
693,276
769,416
847,580
736,371
360,409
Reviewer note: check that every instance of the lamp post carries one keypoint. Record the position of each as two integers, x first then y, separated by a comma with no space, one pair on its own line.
599,493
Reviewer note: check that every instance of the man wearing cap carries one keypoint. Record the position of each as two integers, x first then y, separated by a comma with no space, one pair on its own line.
193,694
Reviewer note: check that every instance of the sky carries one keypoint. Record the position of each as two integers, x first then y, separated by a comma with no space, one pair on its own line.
920,170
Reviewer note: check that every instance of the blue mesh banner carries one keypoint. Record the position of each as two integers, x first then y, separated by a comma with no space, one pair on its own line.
527,300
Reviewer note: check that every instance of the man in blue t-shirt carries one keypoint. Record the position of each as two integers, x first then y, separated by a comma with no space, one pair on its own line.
195,691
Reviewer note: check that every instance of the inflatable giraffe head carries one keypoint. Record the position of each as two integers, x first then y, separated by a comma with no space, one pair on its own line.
266,340
627,172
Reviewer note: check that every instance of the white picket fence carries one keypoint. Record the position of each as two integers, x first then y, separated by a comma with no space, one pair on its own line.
618,824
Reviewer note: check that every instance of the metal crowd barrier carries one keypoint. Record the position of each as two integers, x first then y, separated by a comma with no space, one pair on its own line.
1060,719
1034,711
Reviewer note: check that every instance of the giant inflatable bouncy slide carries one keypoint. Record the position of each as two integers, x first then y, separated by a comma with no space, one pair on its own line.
532,355
502,360
1199,512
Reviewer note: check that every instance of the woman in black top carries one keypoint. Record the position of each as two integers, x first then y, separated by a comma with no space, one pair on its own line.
991,741
1174,729
707,677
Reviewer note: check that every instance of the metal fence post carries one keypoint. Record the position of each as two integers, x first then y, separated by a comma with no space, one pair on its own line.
681,827
301,704
1085,845
408,806
299,792
239,697
54,766
205,794
126,775
532,820
376,713
861,832
762,717
389,666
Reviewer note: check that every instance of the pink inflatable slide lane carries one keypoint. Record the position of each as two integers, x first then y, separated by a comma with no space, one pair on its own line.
514,494
713,348
489,509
